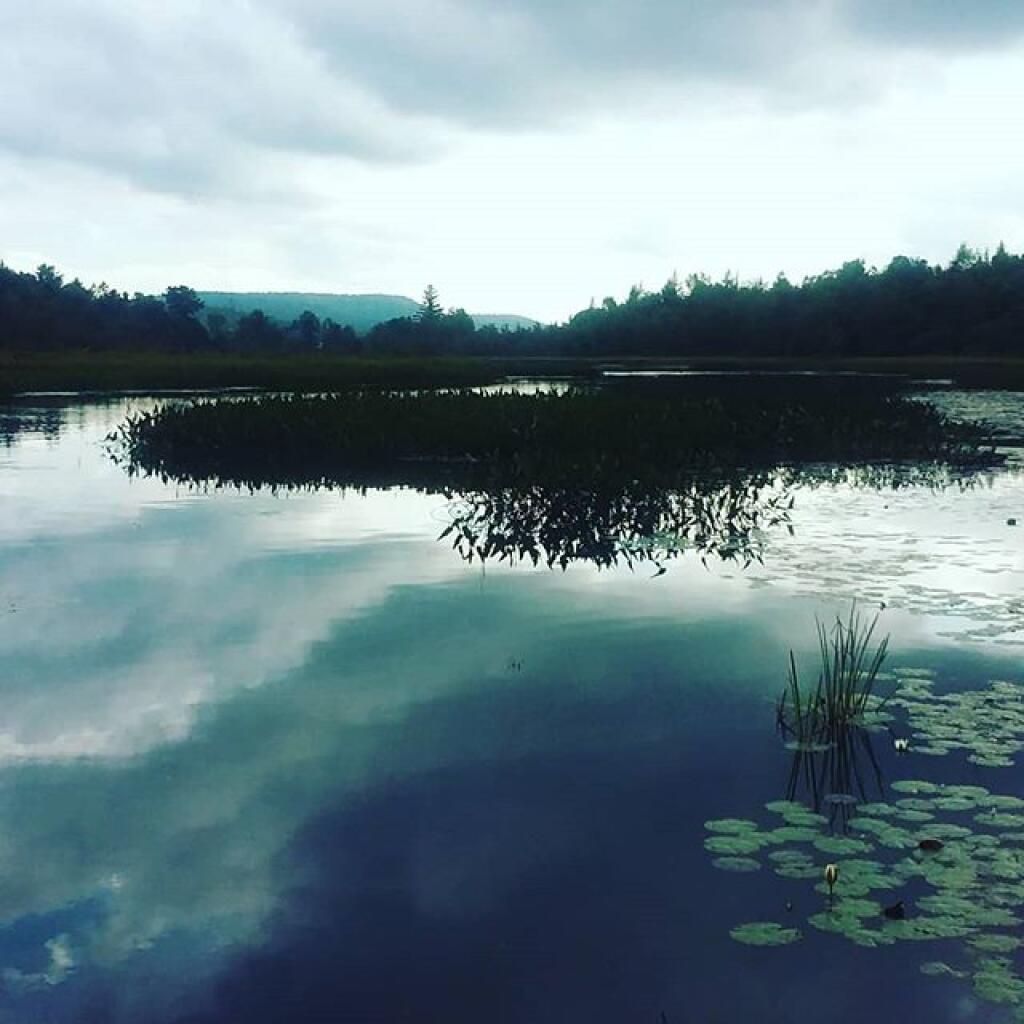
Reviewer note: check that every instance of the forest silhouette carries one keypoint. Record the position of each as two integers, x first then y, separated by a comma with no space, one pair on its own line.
974,306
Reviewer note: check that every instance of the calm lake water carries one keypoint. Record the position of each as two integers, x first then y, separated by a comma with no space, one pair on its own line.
289,758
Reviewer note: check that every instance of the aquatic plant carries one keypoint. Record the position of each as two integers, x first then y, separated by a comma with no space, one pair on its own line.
580,438
831,877
967,888
987,724
838,777
765,933
842,696
720,516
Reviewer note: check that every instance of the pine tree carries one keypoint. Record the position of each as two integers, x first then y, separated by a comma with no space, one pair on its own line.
430,307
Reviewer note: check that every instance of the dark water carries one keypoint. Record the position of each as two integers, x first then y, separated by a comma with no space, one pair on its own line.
289,758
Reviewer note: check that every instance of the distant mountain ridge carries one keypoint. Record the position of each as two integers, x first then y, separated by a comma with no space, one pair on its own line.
361,312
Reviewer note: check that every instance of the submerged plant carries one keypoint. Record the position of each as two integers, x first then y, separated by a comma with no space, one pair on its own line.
843,695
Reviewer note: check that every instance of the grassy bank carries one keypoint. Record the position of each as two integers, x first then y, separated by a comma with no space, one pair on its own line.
111,372
999,373
114,371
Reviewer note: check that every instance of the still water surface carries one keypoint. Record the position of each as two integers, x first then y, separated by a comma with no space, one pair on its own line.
273,758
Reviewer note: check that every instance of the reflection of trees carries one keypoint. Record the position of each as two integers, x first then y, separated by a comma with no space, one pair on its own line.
16,421
715,514
558,526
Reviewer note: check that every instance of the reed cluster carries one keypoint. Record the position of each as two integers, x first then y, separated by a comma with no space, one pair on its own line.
817,714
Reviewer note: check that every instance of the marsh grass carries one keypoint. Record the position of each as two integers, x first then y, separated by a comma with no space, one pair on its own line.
842,696
580,438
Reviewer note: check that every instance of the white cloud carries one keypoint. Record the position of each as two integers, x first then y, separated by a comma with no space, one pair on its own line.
524,157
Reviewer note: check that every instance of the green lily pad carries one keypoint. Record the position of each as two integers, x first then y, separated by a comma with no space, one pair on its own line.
801,871
995,982
955,803
916,817
791,834
782,806
1003,803
841,845
733,846
877,810
765,933
790,856
995,943
914,786
740,864
731,826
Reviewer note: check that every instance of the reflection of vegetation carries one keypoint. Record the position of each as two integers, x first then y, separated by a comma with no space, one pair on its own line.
557,526
833,777
16,421
846,679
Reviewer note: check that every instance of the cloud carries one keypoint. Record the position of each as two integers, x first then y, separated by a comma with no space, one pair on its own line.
193,99
182,98
944,25
61,962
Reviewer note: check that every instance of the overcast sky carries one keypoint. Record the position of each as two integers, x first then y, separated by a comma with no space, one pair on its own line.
523,155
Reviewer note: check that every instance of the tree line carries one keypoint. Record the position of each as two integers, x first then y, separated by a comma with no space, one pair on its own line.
972,306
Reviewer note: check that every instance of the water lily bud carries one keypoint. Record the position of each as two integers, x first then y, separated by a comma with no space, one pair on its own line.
831,874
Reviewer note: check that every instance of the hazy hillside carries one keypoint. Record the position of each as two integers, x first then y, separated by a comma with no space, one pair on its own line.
360,312
512,322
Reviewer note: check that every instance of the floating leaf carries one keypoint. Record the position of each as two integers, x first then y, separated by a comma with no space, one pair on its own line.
877,810
740,864
1000,819
995,943
840,845
765,933
995,982
731,826
914,786
733,846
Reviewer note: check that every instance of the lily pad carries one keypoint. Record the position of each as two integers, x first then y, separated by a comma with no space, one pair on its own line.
733,846
914,786
740,864
873,810
731,826
842,845
1000,819
995,943
765,933
995,982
